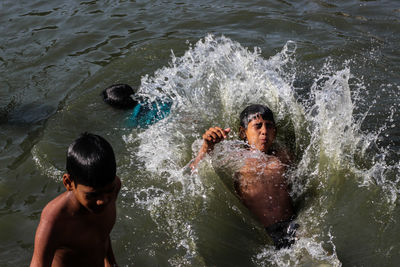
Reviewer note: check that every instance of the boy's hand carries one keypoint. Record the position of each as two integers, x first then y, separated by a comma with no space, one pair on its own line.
213,136
210,138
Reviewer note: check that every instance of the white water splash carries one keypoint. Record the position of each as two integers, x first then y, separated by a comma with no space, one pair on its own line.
44,165
209,85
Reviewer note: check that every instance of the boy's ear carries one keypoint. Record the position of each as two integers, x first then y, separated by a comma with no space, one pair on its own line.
242,133
68,182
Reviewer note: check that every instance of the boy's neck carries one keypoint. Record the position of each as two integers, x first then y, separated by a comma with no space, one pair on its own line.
74,206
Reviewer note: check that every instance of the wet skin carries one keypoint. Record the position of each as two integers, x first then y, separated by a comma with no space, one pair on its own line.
260,183
262,188
74,228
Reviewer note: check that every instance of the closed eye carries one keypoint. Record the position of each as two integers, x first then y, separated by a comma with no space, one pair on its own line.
91,195
270,125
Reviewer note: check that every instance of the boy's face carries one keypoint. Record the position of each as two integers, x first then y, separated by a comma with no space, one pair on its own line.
95,199
260,133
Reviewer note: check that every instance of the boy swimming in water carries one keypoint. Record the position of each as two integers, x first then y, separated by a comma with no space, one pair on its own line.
144,113
260,182
74,228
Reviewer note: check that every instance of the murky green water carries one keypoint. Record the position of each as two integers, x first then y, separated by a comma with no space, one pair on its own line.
329,70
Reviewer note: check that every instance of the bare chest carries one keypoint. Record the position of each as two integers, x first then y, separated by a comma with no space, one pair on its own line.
85,240
259,176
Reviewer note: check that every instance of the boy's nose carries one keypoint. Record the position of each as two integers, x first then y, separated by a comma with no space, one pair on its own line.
264,129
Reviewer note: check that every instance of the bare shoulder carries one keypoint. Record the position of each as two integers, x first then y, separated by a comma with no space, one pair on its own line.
47,233
59,212
52,213
55,209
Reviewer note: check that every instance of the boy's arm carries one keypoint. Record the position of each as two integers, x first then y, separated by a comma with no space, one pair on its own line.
211,137
110,261
45,243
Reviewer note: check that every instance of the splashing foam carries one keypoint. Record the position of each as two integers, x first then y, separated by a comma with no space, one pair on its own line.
209,85
43,164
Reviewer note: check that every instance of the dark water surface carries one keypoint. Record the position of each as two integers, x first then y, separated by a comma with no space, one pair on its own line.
329,70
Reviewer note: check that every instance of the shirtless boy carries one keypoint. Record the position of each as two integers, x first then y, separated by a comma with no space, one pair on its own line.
74,228
260,183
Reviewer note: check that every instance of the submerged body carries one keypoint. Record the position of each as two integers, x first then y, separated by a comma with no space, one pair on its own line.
148,113
145,112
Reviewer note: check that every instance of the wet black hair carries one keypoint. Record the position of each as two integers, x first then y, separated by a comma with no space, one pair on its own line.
91,161
119,96
251,112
